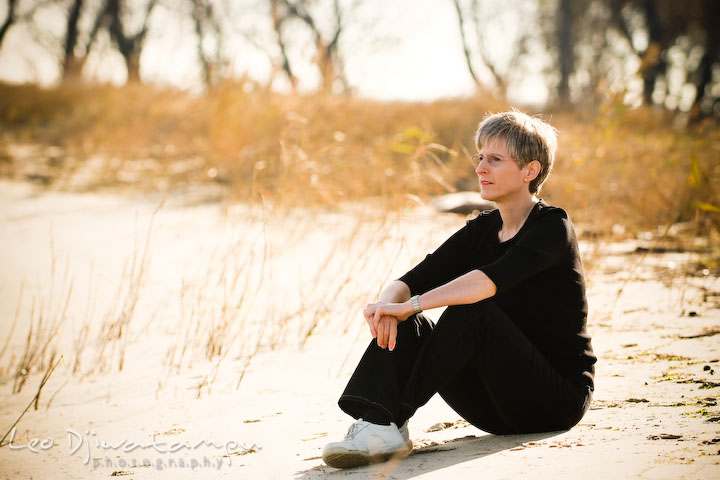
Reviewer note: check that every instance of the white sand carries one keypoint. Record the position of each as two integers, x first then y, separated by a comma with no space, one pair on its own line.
650,417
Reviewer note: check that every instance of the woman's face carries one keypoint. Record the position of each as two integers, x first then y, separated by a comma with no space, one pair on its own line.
500,176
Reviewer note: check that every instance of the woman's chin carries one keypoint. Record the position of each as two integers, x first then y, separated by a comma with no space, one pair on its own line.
487,196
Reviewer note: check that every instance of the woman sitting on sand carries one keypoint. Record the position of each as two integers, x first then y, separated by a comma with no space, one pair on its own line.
511,353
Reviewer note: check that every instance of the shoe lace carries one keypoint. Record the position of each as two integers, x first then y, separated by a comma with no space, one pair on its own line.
351,431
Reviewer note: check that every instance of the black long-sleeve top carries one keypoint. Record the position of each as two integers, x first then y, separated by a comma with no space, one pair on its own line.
539,278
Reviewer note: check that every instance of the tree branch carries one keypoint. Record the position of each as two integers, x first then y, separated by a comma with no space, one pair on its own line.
9,20
466,49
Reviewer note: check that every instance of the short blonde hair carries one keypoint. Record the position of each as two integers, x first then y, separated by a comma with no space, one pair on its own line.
526,138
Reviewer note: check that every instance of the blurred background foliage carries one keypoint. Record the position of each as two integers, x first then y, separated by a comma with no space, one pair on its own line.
634,88
659,53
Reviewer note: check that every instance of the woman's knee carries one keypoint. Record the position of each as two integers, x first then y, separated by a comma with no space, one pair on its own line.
476,314
416,325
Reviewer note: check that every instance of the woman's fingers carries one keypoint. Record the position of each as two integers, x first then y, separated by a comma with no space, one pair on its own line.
369,321
387,332
392,340
387,325
382,320
376,319
369,314
380,334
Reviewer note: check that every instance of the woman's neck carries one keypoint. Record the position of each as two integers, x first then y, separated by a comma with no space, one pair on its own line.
513,216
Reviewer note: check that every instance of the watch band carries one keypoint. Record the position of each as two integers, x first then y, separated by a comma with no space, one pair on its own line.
415,301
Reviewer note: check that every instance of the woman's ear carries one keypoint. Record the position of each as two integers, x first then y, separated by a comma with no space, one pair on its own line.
533,170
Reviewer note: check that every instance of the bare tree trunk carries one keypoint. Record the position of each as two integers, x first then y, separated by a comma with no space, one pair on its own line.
9,20
206,22
466,48
72,69
73,62
325,66
329,61
72,65
278,18
130,47
478,54
298,11
484,51
132,62
652,63
704,102
566,55
704,70
198,16
327,58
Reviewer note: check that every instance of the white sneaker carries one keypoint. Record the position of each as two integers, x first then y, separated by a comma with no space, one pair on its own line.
406,434
367,443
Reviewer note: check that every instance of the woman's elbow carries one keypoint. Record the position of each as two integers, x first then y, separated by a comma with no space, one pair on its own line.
486,286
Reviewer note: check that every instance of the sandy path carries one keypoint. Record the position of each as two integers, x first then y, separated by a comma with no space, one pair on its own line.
655,412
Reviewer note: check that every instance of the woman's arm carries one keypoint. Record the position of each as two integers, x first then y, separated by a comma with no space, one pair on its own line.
447,262
383,317
466,289
548,242
396,292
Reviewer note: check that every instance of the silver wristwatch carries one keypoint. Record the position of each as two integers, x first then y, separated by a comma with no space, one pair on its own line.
415,302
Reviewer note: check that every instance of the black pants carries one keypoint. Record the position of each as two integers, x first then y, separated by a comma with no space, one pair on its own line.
482,365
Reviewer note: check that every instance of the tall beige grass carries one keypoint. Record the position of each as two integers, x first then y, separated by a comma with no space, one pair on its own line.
288,159
634,166
47,317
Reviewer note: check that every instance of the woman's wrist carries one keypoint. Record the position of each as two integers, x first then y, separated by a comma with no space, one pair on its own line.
415,304
407,310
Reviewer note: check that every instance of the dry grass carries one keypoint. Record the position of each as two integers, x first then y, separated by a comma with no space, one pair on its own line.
293,149
272,278
35,401
275,279
634,169
47,316
112,339
288,158
630,167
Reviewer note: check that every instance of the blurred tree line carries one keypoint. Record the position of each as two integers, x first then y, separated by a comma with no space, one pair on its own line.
653,52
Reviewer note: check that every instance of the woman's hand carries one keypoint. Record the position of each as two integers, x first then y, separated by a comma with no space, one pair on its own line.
383,317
